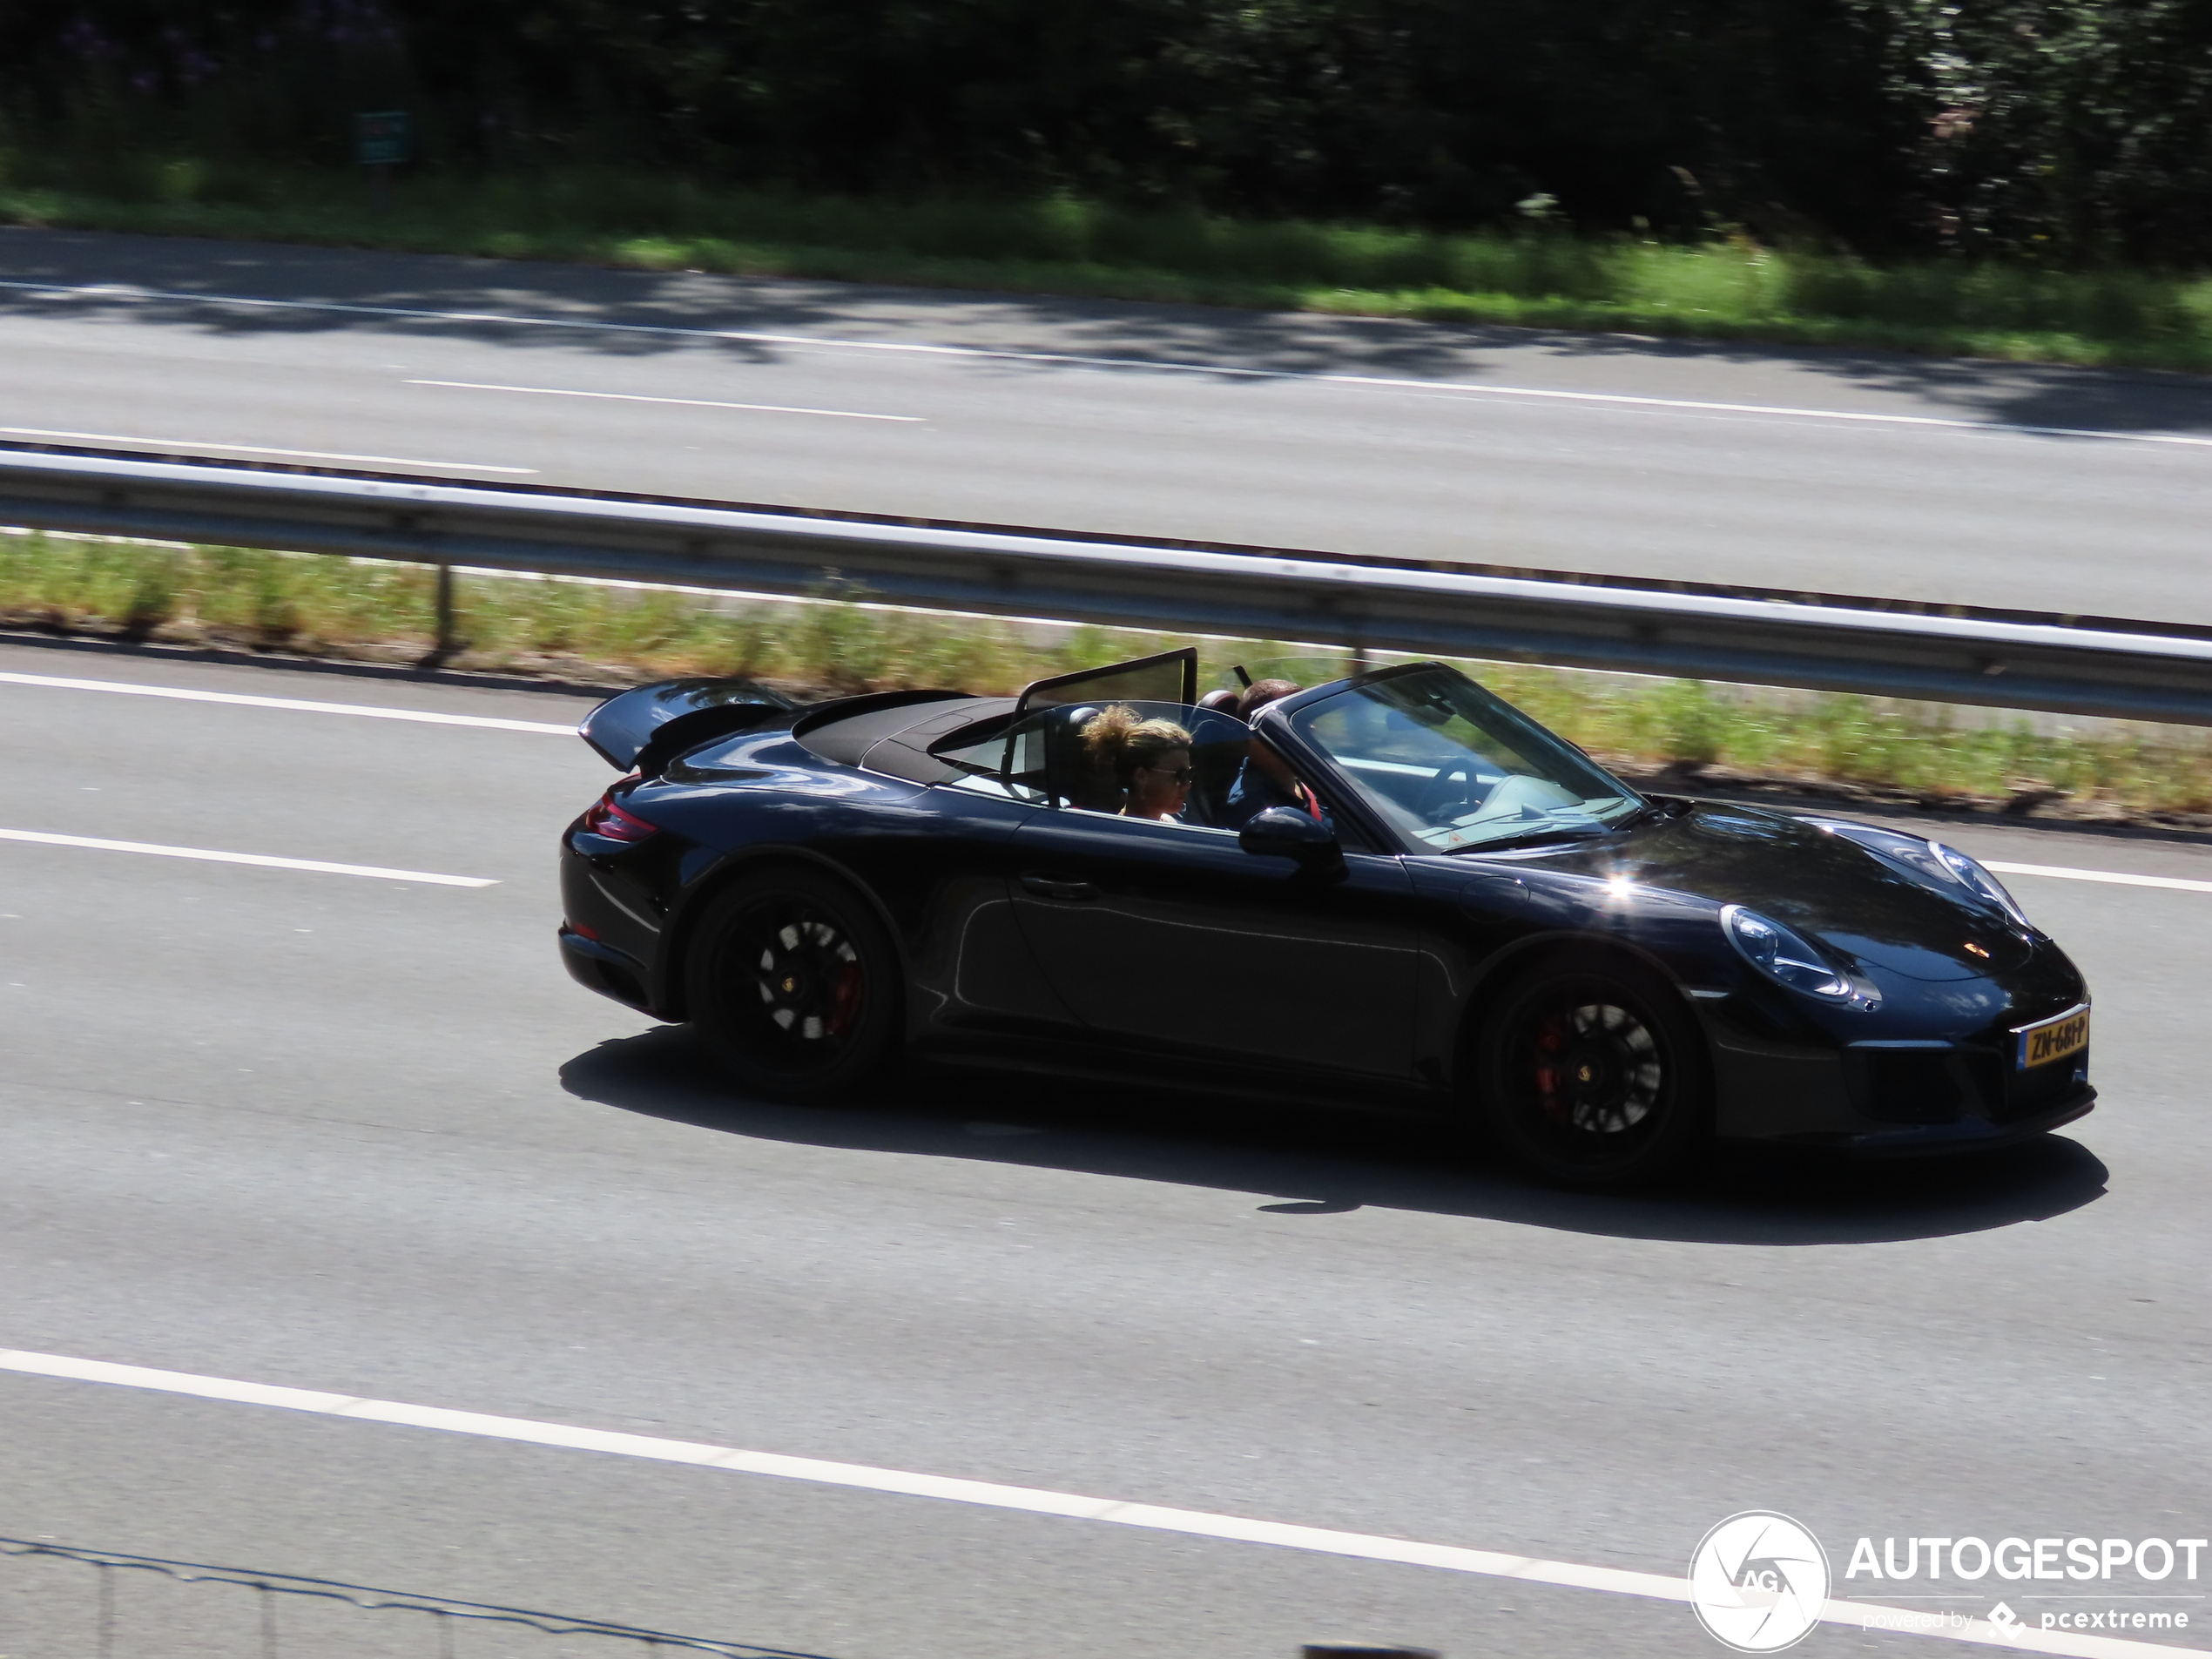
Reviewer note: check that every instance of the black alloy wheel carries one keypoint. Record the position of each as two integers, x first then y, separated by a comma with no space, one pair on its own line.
795,985
1594,1077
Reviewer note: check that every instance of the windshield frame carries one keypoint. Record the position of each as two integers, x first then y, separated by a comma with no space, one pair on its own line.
1282,724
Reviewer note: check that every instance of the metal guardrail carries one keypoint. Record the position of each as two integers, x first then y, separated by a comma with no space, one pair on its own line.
445,1612
2142,671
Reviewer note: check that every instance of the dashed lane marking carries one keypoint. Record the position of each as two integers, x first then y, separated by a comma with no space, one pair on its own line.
132,294
687,402
367,711
427,717
1034,1500
207,855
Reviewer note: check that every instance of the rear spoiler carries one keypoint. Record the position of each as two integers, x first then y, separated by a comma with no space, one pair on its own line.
642,731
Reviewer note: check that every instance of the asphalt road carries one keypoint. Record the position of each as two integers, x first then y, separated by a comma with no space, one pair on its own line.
363,1135
1825,471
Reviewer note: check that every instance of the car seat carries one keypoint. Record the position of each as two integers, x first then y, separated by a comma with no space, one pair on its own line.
1219,745
1071,776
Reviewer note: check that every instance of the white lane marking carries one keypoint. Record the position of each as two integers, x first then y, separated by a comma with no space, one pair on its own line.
118,291
317,865
366,711
688,402
426,716
2118,877
193,445
1034,1500
2003,428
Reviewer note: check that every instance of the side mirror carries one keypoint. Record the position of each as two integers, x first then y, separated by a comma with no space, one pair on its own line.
1286,833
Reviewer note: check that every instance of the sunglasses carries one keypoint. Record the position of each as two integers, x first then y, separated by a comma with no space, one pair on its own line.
1181,774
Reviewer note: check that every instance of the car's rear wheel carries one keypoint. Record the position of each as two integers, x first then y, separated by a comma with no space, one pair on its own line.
1594,1075
795,985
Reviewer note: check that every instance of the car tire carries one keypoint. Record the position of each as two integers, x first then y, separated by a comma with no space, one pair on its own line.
1594,1074
795,986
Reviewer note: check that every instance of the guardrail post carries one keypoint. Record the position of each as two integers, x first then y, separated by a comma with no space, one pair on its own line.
1363,1650
106,1616
449,642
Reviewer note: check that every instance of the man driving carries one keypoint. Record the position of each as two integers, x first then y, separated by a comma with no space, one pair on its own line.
1265,779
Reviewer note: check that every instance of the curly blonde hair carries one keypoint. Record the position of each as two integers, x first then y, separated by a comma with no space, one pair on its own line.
1121,739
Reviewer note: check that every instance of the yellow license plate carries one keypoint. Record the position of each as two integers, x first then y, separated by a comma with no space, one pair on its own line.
2054,1039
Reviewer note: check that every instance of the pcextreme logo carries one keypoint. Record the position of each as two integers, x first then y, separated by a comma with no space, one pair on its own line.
1758,1582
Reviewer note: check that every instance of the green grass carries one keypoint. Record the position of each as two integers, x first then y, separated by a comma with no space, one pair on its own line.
1546,279
313,605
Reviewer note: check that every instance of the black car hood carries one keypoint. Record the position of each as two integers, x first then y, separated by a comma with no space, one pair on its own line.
1816,882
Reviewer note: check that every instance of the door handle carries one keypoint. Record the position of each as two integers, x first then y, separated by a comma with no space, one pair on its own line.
1053,887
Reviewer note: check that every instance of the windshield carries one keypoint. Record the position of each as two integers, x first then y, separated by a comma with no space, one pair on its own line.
1454,767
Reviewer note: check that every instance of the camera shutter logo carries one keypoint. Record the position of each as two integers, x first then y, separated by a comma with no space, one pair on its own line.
1758,1582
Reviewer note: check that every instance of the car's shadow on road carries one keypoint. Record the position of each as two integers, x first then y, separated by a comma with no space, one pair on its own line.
1296,1161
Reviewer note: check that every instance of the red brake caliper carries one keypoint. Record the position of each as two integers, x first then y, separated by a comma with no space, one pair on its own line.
1551,1038
844,1000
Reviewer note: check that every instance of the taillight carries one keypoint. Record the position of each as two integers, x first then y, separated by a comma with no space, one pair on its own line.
611,823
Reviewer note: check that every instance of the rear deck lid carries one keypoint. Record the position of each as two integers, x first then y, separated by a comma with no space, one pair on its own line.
645,729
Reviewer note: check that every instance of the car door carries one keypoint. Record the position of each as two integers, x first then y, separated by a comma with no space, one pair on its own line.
1166,934
971,964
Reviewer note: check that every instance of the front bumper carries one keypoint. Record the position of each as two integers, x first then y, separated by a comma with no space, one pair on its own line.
1962,1134
1885,1099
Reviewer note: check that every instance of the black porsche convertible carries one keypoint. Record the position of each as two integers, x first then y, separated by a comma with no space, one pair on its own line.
1437,903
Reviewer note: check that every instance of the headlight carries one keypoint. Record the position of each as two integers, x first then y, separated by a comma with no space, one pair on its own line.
1970,872
1784,955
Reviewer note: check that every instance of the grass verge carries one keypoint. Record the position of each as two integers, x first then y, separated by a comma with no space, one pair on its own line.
1691,734
1539,279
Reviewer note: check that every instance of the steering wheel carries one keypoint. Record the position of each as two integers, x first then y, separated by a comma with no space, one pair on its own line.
1453,785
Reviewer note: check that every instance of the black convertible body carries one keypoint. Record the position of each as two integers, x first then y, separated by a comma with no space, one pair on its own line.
1464,915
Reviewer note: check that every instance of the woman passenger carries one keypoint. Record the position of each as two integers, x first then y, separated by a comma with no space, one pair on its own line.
1149,759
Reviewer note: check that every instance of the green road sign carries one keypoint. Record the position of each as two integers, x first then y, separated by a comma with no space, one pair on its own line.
381,139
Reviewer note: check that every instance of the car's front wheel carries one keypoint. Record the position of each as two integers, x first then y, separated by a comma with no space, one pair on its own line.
1594,1077
795,985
